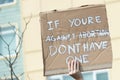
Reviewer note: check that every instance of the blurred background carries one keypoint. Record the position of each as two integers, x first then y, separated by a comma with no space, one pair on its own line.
15,14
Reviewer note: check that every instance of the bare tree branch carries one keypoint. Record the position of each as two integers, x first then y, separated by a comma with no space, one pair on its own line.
15,75
17,51
16,31
3,40
2,37
26,24
9,59
4,57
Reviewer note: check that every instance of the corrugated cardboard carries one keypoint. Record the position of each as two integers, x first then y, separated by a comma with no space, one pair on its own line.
81,34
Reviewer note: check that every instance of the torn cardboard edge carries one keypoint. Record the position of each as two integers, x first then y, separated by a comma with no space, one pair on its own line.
75,8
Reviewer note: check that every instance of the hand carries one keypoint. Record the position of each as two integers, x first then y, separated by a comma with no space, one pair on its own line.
74,69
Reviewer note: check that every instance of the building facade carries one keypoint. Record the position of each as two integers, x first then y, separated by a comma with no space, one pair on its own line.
30,62
10,21
32,41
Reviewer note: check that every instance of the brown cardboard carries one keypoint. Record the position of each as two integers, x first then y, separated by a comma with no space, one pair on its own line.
81,33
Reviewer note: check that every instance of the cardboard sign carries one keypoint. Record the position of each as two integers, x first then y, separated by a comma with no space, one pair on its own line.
81,34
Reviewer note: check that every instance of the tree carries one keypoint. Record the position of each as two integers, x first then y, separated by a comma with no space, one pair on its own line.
11,59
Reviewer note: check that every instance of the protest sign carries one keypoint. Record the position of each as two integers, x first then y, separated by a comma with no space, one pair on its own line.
81,34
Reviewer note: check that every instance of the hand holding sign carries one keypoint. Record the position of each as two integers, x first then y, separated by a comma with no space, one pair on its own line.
74,69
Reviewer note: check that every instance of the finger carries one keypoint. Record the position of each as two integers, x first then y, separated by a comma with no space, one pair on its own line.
69,66
74,66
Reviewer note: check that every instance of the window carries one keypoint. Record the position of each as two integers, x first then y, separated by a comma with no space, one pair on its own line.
102,76
6,2
7,36
57,77
91,75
